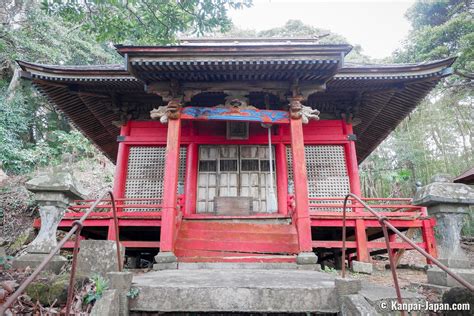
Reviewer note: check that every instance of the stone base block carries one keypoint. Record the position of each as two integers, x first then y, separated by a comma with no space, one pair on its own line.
456,263
347,286
355,305
362,267
306,258
165,261
165,266
120,280
165,257
33,260
98,257
439,277
107,305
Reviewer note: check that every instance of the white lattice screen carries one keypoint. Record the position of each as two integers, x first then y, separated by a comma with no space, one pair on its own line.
145,174
326,170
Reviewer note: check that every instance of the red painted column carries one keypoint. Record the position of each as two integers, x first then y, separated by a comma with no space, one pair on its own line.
281,178
353,172
170,183
120,177
191,179
303,223
429,238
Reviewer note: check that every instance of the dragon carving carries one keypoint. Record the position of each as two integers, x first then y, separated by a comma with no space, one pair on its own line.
298,110
166,112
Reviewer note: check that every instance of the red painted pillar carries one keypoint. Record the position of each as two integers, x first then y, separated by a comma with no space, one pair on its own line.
353,172
169,210
429,238
120,174
191,179
282,178
303,223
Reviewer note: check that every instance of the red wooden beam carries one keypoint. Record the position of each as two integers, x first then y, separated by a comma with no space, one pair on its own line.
192,165
370,244
353,172
282,178
169,186
300,178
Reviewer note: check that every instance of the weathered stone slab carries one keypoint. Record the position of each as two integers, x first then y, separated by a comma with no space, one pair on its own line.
362,267
33,260
98,257
439,277
107,305
381,297
347,286
121,282
235,291
356,305
442,191
306,258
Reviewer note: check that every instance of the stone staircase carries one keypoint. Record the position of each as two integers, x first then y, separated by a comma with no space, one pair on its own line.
221,241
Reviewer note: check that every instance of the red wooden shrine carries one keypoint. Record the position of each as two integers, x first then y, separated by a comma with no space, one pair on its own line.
195,180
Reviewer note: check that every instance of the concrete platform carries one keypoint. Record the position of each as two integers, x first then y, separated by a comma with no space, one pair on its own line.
235,291
246,291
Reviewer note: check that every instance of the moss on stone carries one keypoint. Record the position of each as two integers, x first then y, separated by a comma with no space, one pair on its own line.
48,289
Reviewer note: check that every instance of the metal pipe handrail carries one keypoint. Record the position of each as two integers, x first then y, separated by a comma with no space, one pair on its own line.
76,228
384,223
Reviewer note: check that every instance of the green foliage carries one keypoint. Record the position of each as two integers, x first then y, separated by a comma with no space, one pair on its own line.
133,292
145,22
100,284
5,262
330,270
441,29
32,132
296,28
438,136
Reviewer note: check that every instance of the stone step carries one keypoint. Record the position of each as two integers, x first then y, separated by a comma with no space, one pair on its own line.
247,266
244,291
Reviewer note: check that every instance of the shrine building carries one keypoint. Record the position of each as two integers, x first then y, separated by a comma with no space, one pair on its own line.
240,150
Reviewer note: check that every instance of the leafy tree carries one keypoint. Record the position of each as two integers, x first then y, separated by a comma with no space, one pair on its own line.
438,136
296,28
32,132
145,21
442,28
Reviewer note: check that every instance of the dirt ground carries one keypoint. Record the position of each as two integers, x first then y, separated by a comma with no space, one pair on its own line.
382,275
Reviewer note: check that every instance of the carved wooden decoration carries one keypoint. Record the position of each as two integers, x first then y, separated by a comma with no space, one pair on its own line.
168,112
299,111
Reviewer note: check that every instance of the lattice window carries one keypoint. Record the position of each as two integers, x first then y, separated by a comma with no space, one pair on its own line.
145,174
326,171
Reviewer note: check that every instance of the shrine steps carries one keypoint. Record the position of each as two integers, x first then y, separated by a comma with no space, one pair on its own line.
223,241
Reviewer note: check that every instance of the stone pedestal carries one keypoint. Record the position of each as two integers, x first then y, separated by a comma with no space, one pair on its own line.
53,192
98,257
165,261
449,203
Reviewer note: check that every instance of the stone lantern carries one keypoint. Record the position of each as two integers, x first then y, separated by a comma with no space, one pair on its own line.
54,191
449,203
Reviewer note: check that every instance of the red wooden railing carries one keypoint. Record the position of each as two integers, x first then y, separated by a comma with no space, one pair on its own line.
385,224
76,229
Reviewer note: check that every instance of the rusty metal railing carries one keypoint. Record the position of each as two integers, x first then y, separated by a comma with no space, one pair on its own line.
384,223
76,229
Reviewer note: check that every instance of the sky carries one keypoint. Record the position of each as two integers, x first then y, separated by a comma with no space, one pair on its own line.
379,26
